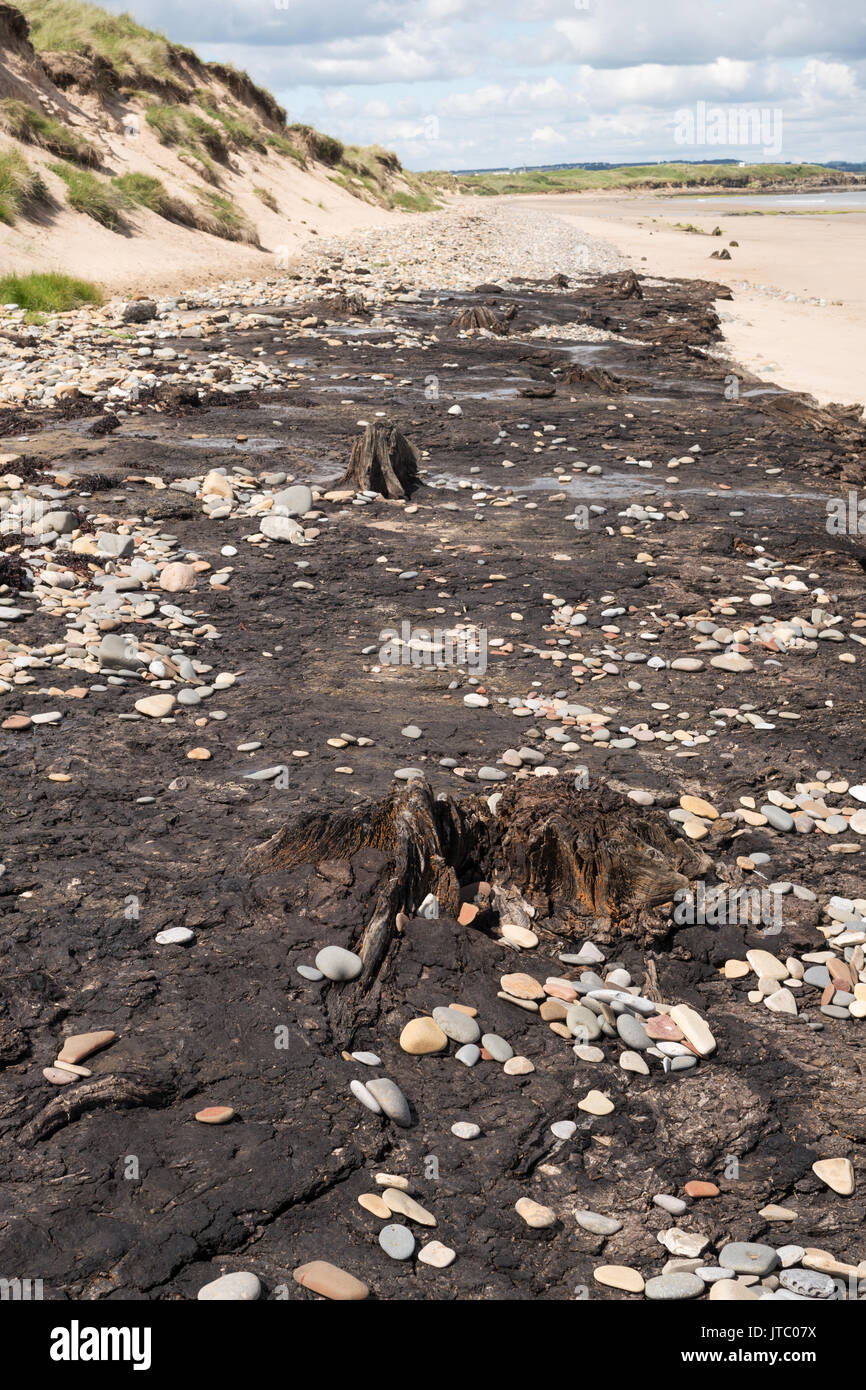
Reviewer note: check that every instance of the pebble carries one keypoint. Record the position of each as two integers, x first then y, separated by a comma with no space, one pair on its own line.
455,1024
693,1028
669,1287
422,1035
518,1066
360,1092
215,1115
808,1282
240,1287
464,1129
595,1103
469,1054
338,964
619,1277
534,1214
399,1203
175,936
745,1258
633,1062
436,1254
837,1173
82,1045
597,1224
397,1241
499,1049
330,1281
391,1099
372,1202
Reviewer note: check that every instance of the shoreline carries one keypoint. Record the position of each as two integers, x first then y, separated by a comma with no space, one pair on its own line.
798,313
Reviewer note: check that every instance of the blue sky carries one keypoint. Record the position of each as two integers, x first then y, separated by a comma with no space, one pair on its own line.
493,83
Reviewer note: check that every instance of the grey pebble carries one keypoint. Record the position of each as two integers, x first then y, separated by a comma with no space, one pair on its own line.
391,1099
456,1025
669,1287
744,1257
468,1054
597,1224
338,964
808,1282
499,1049
397,1241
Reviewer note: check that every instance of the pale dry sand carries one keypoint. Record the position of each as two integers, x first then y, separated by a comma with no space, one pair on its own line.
154,256
802,346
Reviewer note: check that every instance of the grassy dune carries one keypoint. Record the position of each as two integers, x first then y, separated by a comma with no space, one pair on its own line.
753,176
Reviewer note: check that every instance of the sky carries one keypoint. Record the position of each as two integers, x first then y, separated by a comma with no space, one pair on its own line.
460,84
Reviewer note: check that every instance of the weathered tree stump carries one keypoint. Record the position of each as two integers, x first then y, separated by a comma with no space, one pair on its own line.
607,384
482,317
590,863
382,461
626,286
343,306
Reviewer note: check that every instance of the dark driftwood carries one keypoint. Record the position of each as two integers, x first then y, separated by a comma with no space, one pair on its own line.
589,862
119,1091
382,461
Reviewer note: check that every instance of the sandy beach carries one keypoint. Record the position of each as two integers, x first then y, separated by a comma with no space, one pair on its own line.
780,270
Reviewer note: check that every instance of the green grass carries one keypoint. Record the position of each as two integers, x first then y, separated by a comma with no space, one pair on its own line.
413,202
647,176
32,127
143,190
71,26
21,187
323,148
265,196
48,292
241,134
175,125
88,194
226,220
285,146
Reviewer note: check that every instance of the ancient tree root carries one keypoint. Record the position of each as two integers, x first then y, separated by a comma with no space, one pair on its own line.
382,461
120,1091
607,384
626,286
342,306
482,317
590,863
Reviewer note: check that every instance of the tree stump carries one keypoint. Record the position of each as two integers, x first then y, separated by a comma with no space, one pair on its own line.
482,317
382,461
591,863
607,384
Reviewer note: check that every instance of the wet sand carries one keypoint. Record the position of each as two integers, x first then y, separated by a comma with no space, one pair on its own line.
782,265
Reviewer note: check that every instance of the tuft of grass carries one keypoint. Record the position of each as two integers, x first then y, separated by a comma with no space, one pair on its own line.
266,196
48,292
284,146
241,134
144,190
226,220
72,26
176,126
21,187
413,202
88,194
323,148
32,127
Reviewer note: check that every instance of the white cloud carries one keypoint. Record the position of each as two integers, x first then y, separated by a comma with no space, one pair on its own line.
603,82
